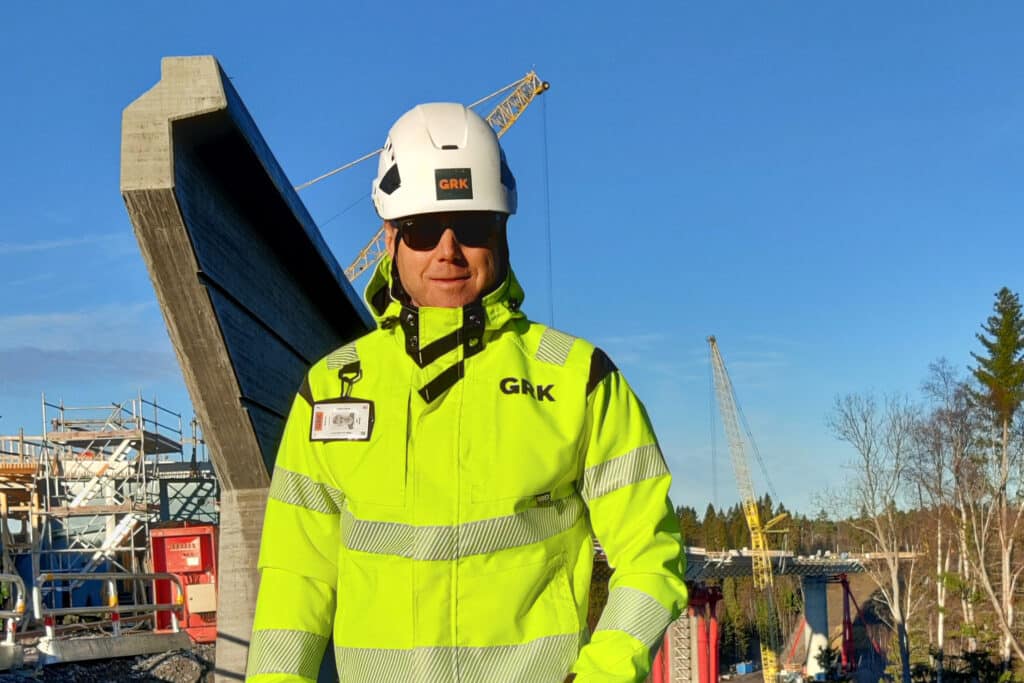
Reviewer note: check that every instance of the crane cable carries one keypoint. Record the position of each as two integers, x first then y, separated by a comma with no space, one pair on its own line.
750,440
712,425
375,152
547,217
352,205
337,170
760,460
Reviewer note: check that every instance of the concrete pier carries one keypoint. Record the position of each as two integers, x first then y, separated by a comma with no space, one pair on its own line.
816,613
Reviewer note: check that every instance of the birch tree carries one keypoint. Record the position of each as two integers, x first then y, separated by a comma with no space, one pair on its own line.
944,440
883,439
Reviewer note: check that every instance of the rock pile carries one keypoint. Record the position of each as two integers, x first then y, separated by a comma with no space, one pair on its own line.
176,666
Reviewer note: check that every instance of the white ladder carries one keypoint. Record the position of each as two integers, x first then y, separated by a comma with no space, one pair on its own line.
92,487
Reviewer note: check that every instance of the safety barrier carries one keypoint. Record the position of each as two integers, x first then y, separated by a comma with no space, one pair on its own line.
113,608
12,617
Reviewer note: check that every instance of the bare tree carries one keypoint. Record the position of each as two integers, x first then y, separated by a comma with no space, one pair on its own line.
989,499
883,439
944,438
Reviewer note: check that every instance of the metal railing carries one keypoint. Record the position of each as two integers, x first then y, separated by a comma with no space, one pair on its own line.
136,413
113,609
20,449
13,617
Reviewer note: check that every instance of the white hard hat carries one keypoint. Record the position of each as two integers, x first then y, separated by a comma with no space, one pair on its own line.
442,157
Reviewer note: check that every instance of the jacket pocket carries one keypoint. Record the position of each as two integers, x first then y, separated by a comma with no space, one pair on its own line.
374,471
516,605
375,603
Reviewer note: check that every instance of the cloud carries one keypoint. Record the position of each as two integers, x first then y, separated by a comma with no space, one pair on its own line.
31,279
114,326
34,367
769,340
7,248
757,360
656,353
645,340
632,349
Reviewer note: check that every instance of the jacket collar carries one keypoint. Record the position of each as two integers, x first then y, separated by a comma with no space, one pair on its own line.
431,332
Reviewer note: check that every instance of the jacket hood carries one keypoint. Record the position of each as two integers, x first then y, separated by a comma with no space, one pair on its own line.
501,304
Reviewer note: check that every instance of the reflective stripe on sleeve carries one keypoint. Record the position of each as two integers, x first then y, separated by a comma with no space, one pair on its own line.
543,659
645,462
635,613
554,346
296,653
532,525
298,489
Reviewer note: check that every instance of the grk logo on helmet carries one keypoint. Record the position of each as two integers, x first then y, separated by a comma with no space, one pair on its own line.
453,183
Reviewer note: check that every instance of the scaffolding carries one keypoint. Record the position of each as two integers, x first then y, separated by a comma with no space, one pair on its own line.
99,485
77,505
20,506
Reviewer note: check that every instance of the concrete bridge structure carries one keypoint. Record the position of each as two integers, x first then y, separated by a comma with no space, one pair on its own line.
251,297
705,569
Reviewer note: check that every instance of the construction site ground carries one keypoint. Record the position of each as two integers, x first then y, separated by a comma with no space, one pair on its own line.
175,666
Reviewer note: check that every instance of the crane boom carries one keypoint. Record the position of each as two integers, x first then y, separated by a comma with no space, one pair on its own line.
761,559
501,118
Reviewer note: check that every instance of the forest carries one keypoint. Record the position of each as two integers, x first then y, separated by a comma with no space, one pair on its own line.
934,498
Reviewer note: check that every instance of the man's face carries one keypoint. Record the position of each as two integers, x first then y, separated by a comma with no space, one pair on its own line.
452,272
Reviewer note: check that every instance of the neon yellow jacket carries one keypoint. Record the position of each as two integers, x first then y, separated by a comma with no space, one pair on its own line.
455,542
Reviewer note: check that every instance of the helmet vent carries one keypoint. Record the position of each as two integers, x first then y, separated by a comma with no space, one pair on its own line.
391,180
507,179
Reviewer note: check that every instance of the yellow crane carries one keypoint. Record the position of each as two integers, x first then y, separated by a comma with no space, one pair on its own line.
519,96
760,555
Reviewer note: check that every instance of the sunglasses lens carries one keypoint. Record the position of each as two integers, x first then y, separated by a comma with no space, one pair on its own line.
420,233
471,228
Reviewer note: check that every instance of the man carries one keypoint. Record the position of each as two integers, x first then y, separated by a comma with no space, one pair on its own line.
439,479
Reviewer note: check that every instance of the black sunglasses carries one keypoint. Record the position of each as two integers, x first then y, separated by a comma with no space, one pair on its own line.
472,228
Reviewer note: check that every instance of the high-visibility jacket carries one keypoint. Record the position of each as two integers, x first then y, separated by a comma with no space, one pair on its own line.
434,501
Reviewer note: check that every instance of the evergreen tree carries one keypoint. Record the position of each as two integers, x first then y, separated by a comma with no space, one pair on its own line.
737,530
1001,370
689,526
712,530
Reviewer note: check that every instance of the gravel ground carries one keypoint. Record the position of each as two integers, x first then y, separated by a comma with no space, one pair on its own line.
176,666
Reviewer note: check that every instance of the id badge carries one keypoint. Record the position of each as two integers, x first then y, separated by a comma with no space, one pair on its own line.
342,419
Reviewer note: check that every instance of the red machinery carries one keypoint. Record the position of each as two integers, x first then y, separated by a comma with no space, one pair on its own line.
188,551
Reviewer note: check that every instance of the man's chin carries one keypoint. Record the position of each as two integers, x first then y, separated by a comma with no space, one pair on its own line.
451,293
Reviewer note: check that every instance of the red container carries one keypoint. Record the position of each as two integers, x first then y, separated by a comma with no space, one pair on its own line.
189,552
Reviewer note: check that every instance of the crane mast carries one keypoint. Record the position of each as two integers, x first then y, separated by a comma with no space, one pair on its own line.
761,559
501,118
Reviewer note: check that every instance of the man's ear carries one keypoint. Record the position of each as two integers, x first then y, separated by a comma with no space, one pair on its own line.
390,234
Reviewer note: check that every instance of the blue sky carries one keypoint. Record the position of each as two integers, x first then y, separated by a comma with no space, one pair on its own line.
834,190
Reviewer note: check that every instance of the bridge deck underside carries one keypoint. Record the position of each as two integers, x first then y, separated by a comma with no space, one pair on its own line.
701,567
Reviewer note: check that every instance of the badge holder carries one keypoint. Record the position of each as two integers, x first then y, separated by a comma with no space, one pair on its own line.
344,418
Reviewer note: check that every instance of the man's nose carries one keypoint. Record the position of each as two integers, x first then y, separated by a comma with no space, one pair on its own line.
448,245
